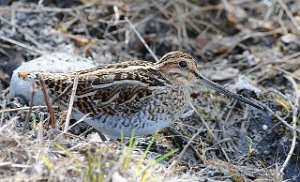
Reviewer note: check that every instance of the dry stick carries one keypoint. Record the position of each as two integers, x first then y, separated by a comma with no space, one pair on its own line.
288,73
179,29
289,14
210,131
24,108
48,103
281,23
30,107
21,144
40,3
277,116
184,150
226,121
141,39
282,120
295,113
285,59
268,13
79,121
124,29
33,49
55,10
66,90
13,18
253,35
26,34
71,103
162,9
83,24
2,115
117,14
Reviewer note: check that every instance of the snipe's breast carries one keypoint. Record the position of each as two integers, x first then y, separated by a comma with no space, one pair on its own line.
159,110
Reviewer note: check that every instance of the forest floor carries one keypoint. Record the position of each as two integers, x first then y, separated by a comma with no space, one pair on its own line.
252,47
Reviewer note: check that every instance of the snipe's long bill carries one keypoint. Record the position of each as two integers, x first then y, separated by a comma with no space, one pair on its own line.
228,93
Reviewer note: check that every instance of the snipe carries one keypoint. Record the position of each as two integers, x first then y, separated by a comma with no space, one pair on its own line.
135,95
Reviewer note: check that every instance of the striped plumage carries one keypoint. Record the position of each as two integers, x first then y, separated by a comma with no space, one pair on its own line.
135,95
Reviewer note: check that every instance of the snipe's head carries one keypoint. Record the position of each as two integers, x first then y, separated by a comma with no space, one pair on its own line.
182,68
179,66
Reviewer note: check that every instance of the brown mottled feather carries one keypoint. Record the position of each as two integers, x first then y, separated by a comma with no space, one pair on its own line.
120,90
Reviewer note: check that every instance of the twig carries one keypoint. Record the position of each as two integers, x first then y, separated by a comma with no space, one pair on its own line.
40,3
20,143
13,18
66,90
184,150
289,14
162,9
255,34
210,131
30,107
33,49
24,108
79,121
40,134
2,113
281,23
54,9
282,120
117,14
10,164
295,113
71,103
124,29
222,125
141,39
27,35
285,59
48,102
83,23
294,129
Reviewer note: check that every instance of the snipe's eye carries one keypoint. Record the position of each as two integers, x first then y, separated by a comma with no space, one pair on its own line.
182,64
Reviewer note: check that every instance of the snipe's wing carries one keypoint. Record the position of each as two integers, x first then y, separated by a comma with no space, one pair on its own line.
108,89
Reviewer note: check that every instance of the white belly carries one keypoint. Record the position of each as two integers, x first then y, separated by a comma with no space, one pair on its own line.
115,127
